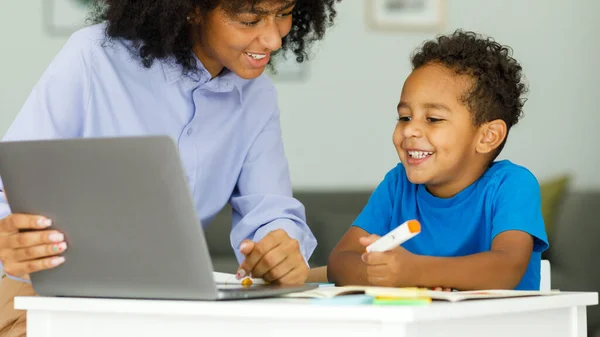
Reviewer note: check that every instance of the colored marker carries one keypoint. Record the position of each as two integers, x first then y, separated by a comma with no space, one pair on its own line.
396,237
401,301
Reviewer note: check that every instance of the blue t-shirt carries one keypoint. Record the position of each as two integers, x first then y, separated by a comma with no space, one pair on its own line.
505,197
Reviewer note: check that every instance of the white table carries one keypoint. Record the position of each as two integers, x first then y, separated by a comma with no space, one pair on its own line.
561,315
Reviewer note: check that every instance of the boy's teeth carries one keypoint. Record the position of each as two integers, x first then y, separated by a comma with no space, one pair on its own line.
257,56
419,154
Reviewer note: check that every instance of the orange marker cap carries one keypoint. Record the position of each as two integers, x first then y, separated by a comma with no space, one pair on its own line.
414,226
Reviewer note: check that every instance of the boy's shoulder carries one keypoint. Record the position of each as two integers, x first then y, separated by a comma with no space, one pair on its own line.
504,172
505,180
396,174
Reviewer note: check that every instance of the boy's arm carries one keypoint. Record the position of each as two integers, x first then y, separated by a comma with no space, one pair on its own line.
500,268
345,266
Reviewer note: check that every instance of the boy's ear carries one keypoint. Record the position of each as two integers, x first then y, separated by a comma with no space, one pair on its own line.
492,134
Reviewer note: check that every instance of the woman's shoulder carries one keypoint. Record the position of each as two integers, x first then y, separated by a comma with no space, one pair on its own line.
93,40
88,38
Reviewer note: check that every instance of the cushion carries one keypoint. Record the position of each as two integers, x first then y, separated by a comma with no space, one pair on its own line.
552,193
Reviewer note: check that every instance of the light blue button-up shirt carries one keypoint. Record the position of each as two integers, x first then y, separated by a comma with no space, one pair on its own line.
227,129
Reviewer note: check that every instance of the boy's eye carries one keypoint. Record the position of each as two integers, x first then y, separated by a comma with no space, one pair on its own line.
404,119
434,120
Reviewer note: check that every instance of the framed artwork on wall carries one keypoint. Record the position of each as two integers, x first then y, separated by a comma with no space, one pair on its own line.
64,17
405,15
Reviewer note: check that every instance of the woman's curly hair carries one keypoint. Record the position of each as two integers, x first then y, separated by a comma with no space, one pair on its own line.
497,89
160,29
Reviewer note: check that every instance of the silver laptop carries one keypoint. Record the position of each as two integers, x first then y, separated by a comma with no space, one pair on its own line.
128,218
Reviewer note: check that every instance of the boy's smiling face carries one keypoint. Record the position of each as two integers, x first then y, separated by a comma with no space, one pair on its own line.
435,136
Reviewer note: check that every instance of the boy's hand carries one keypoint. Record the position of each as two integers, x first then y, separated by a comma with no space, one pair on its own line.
394,268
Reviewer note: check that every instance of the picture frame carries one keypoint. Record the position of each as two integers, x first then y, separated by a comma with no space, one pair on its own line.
64,17
406,15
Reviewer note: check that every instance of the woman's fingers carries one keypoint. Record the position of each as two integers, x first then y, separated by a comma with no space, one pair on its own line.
20,269
40,251
13,222
29,239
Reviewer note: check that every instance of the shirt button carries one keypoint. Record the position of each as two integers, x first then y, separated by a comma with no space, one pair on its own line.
190,131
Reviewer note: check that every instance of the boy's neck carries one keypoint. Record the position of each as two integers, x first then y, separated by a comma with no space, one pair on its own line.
452,188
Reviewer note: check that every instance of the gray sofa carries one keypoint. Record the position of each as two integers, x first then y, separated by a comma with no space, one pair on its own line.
574,248
574,245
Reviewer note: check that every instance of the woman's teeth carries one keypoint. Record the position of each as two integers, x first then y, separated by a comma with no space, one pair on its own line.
257,56
419,154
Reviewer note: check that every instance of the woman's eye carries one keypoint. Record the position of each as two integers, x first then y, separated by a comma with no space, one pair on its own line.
285,14
434,120
403,119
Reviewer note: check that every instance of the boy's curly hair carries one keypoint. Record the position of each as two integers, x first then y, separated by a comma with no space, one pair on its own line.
159,28
497,89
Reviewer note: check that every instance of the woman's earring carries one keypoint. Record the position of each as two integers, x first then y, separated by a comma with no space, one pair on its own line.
189,19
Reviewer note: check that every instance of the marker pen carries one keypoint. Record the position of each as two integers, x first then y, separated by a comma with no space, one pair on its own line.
396,237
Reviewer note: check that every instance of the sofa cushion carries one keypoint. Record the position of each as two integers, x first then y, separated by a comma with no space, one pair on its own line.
552,194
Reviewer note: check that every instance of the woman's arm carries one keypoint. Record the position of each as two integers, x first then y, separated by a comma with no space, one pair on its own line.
267,219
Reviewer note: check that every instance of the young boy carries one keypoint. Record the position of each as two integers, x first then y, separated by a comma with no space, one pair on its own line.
481,222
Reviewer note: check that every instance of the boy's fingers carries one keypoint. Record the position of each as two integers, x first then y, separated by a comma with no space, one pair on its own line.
374,258
367,240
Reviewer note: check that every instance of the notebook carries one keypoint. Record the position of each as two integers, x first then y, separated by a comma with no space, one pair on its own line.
450,296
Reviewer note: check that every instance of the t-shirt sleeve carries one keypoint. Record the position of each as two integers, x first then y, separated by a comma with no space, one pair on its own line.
376,216
518,207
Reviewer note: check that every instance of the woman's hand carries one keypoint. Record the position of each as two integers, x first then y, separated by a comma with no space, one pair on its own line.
26,252
276,258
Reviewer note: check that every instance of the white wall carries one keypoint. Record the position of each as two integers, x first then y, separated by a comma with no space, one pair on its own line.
337,125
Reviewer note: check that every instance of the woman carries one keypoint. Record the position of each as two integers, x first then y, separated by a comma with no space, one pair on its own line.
191,69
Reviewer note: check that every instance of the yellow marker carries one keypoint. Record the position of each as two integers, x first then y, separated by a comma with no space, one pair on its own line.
401,301
247,282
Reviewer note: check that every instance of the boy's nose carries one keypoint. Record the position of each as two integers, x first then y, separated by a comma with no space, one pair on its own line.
412,129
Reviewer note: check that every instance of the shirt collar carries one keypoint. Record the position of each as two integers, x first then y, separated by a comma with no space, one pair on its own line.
225,82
